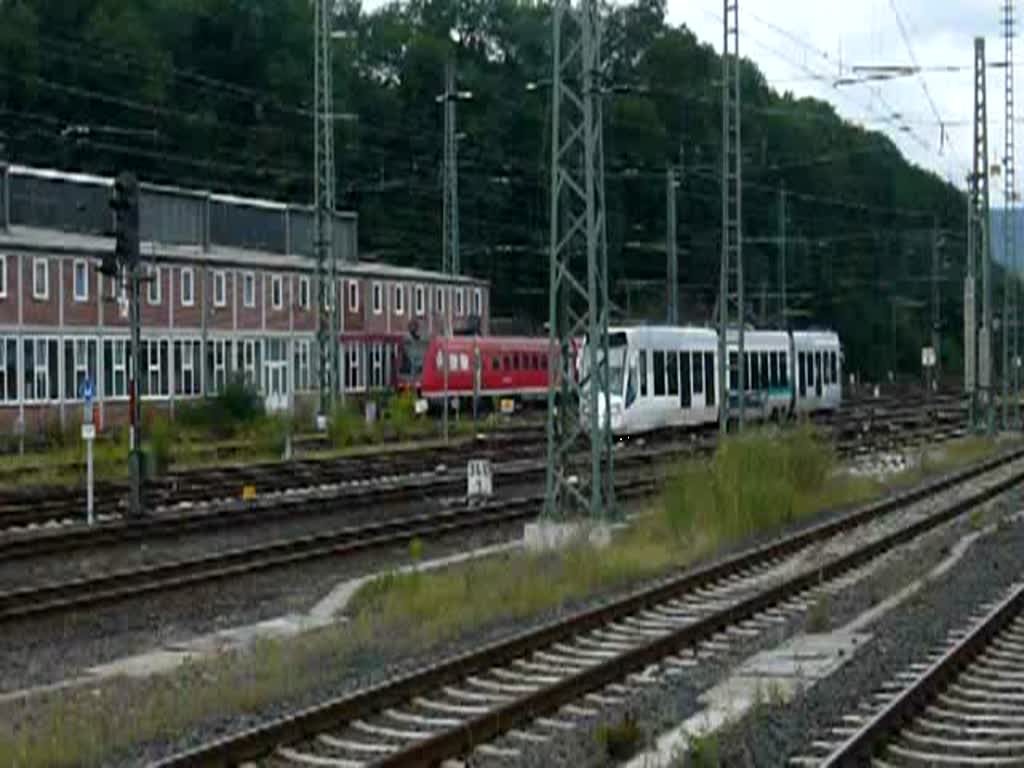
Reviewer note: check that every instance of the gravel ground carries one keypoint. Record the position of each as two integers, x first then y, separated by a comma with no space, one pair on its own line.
900,637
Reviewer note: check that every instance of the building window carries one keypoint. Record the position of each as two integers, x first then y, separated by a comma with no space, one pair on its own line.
354,377
220,288
399,299
41,369
187,367
440,300
301,366
8,369
276,292
218,357
40,279
420,300
478,302
115,368
80,275
378,298
460,302
303,293
188,286
249,289
377,366
249,359
155,288
353,296
3,276
155,368
79,363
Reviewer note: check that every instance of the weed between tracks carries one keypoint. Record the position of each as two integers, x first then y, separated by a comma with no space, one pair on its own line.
753,485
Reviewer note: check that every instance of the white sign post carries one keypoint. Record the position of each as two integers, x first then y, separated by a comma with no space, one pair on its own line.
479,484
89,436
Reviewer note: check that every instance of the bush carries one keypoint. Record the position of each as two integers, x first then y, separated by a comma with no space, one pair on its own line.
161,439
754,482
224,415
347,426
400,415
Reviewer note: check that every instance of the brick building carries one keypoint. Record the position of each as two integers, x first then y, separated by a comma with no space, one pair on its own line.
231,290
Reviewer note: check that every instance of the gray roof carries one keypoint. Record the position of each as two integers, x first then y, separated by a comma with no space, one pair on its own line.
38,240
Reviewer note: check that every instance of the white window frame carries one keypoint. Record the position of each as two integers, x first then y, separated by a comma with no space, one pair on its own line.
303,293
276,291
154,369
353,296
301,366
75,266
45,375
249,289
478,302
116,368
440,299
378,298
155,289
220,288
250,372
460,302
399,299
44,294
3,275
7,343
376,365
187,349
421,300
191,300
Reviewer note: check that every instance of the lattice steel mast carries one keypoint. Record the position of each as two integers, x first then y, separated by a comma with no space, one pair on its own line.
578,405
323,203
450,256
979,352
1011,329
730,294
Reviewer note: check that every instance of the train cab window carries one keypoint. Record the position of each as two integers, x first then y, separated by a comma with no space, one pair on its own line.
783,370
773,369
673,373
734,376
659,374
802,373
631,385
709,377
643,372
698,373
685,399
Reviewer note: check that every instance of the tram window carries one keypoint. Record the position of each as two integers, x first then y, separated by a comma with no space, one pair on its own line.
764,370
544,362
673,373
659,374
698,373
734,376
643,373
773,369
783,370
802,373
817,373
684,380
755,371
495,363
536,362
515,361
833,366
507,363
709,377
810,370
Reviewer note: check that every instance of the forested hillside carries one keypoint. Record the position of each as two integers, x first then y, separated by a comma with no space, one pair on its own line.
217,93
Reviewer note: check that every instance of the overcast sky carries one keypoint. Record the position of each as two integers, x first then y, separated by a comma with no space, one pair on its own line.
804,46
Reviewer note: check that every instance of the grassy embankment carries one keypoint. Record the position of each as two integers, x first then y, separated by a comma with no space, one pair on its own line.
753,485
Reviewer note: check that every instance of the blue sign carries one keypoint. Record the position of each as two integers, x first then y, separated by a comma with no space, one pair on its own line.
86,391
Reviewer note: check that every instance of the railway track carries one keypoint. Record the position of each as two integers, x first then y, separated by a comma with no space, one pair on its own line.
964,706
529,690
858,431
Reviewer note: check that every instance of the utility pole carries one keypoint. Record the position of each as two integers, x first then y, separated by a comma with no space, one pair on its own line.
671,246
579,407
980,242
783,310
936,304
1011,331
730,300
125,260
323,194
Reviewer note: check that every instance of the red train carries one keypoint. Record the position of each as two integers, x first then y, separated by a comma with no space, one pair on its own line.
508,366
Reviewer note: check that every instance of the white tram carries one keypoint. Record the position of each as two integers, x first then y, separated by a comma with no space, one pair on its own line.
667,376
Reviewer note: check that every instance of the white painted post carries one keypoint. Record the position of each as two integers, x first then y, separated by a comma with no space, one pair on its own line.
89,436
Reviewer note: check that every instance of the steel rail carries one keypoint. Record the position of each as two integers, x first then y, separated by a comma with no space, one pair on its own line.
258,741
858,749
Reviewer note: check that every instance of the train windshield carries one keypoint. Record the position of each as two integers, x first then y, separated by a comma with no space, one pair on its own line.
413,352
617,347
